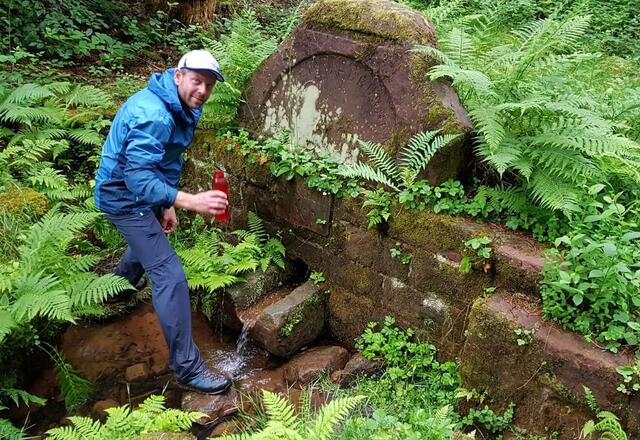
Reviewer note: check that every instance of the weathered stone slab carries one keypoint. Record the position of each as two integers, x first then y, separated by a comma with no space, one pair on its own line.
545,376
306,367
258,284
357,366
215,406
346,74
301,206
291,323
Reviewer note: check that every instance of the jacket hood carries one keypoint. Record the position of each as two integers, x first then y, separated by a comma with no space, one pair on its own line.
162,85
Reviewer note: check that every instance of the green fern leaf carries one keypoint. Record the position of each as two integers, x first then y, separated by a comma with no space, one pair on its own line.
280,410
330,415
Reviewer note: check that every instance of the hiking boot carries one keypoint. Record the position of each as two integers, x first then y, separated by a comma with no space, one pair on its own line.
126,295
208,383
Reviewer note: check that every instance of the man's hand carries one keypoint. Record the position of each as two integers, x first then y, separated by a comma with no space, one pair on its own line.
212,202
169,220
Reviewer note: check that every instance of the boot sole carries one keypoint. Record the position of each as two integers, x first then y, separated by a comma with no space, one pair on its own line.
209,393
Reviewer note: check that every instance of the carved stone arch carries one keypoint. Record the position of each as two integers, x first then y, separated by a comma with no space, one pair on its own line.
347,73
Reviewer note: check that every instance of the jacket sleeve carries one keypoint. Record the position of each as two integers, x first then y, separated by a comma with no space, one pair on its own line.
145,147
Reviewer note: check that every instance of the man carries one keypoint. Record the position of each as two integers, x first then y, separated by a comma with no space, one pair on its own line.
140,165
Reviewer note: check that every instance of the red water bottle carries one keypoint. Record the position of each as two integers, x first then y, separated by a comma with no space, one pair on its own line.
219,182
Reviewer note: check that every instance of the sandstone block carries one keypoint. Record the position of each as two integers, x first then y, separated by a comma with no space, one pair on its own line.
137,372
357,366
306,367
257,285
545,376
294,321
215,407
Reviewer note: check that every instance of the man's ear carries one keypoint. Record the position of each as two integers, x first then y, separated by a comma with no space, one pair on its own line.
177,76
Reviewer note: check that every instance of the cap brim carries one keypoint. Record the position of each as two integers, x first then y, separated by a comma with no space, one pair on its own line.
218,75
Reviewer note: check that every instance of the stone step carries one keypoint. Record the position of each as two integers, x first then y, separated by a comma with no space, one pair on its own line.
544,375
289,324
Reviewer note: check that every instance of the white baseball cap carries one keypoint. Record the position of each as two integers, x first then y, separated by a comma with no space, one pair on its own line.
201,60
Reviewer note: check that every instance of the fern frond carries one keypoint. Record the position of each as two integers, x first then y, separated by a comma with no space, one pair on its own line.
7,323
552,193
75,389
86,96
477,81
23,396
86,136
51,304
421,149
280,410
28,93
366,172
381,159
330,414
10,432
89,288
256,226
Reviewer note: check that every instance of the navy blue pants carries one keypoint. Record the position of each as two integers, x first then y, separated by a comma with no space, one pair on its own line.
149,251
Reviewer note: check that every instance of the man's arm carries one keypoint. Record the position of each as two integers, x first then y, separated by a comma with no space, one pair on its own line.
212,202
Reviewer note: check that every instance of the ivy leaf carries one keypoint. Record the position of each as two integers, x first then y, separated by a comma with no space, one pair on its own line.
577,299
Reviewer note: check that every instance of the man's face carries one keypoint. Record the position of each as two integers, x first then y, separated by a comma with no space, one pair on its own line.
194,87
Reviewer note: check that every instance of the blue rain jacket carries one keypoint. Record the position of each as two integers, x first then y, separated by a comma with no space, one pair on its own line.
141,161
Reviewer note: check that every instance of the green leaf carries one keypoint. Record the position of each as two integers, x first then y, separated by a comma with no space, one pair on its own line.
577,299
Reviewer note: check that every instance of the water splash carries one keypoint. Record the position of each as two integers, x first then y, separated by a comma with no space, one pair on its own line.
244,345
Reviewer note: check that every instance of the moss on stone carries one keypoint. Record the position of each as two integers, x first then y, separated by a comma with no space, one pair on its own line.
18,200
374,18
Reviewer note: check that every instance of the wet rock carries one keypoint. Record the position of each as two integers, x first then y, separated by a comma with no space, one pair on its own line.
258,284
358,365
291,323
271,380
215,407
99,407
101,351
309,365
137,372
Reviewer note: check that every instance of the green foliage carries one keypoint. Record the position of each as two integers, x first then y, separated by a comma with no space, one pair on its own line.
412,399
424,425
18,397
317,277
608,426
10,432
409,361
75,389
47,282
412,160
487,420
396,252
481,247
58,122
283,423
630,377
534,125
524,336
380,200
288,160
123,423
591,279
212,264
239,52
